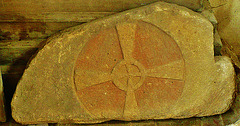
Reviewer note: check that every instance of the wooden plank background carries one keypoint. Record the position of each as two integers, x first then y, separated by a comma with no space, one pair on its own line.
39,6
24,24
72,10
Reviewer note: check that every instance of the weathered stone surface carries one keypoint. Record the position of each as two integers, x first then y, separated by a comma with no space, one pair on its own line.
192,4
2,108
235,124
154,62
217,43
227,50
210,16
225,83
227,13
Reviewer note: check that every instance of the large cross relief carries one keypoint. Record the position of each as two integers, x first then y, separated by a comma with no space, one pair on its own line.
136,59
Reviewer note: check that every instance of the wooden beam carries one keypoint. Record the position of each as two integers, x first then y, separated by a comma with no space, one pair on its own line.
14,55
53,16
10,44
83,5
70,5
18,52
73,10
36,30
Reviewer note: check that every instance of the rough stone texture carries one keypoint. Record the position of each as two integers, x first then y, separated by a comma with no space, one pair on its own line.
225,83
210,16
217,40
217,43
235,124
154,62
227,13
2,108
192,4
227,50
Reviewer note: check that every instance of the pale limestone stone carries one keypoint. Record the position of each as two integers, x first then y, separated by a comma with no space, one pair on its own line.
225,82
192,4
227,13
210,16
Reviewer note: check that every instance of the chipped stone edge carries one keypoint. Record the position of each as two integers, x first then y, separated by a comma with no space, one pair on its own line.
2,97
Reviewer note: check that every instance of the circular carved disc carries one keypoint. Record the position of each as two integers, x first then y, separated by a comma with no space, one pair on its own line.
128,70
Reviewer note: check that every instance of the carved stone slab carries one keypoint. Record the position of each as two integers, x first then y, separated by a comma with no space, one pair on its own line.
154,62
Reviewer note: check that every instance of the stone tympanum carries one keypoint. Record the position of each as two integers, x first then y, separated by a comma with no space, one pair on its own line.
153,62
